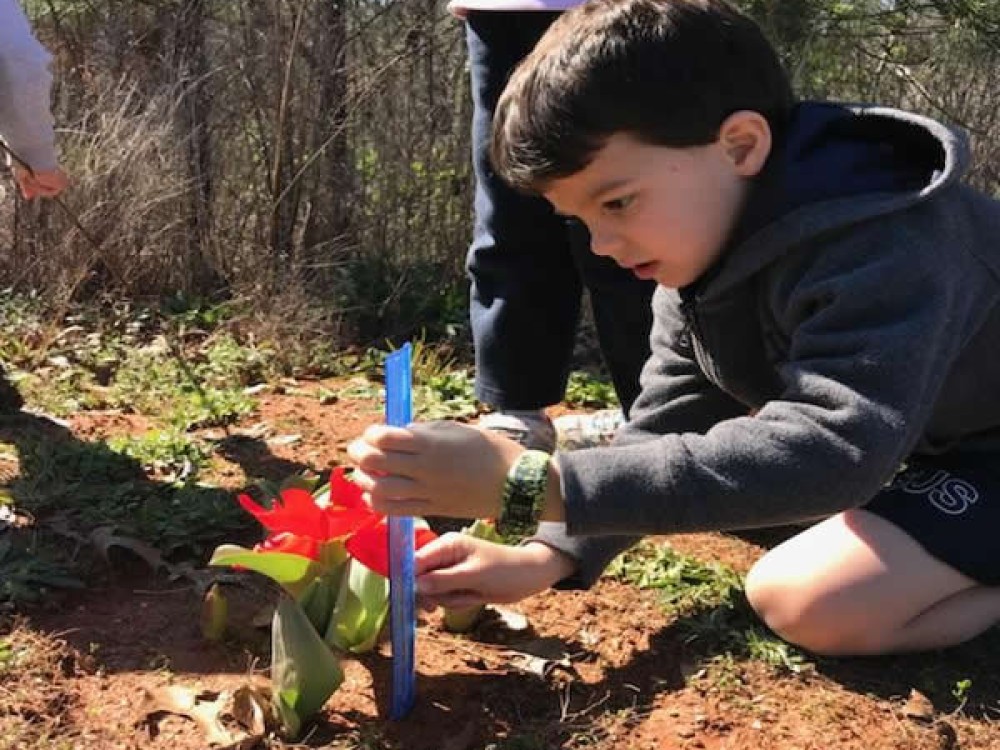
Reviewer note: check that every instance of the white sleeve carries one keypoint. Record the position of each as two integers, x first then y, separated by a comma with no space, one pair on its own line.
461,7
26,122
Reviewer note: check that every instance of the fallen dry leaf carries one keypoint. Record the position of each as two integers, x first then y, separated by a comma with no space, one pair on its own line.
249,707
918,707
104,538
541,657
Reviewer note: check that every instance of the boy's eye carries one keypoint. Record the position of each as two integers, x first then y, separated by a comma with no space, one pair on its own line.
618,204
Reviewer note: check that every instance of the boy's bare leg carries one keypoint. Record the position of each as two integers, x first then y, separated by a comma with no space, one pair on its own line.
857,584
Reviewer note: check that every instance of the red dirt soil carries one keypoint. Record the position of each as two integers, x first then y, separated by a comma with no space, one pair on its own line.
621,677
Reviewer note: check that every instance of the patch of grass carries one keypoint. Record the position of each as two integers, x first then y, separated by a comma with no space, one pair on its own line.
90,485
585,390
26,576
685,584
708,600
60,391
186,361
185,394
441,390
169,452
446,396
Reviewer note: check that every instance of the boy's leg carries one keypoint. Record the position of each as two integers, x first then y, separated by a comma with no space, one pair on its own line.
525,298
918,569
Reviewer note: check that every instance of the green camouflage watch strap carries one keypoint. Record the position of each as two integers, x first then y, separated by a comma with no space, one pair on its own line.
524,493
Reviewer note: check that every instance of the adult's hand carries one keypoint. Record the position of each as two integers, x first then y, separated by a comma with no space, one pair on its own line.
40,183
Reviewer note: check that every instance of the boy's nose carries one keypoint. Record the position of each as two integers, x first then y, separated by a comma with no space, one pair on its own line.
604,243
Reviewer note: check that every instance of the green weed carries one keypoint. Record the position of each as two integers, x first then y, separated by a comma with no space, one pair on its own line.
685,584
164,452
25,576
585,390
713,614
448,395
91,485
185,394
960,690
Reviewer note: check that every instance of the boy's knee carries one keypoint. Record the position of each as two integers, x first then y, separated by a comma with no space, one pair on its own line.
803,617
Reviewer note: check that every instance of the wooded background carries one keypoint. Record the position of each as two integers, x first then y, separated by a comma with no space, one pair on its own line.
312,156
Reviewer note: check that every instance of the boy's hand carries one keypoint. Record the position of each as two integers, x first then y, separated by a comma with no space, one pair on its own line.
47,183
433,469
458,570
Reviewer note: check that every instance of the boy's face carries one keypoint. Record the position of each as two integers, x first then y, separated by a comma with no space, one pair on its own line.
662,212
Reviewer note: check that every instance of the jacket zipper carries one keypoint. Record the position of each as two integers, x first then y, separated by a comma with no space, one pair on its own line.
689,310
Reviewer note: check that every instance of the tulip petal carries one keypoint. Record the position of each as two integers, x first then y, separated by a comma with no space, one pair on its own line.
294,511
344,492
370,545
290,543
343,521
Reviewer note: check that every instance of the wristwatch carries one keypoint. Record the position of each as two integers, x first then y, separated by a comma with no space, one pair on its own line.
524,494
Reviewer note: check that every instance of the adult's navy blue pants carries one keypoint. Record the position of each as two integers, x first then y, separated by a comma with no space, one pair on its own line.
528,266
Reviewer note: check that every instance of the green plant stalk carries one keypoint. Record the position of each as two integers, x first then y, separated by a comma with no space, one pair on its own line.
360,611
214,614
463,619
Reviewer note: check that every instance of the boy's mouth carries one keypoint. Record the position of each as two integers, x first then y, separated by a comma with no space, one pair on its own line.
645,270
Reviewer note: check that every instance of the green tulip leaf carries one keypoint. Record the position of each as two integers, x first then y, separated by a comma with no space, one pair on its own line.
360,611
304,671
294,572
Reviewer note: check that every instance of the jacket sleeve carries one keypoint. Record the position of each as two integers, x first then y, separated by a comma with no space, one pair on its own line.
675,397
26,122
874,324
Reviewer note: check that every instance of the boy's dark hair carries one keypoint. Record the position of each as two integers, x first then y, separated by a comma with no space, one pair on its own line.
668,72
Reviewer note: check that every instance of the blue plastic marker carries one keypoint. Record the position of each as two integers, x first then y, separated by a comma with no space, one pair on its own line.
402,608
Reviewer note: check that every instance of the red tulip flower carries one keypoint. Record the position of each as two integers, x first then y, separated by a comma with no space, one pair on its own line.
302,523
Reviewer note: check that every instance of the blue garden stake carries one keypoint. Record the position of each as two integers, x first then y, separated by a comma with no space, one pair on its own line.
402,619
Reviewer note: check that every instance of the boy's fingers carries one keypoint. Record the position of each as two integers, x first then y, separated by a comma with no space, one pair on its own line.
378,463
397,506
461,576
390,438
384,487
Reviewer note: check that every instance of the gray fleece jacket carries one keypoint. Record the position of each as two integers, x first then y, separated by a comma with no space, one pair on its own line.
851,323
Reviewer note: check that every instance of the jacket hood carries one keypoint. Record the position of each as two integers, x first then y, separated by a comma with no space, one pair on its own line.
835,166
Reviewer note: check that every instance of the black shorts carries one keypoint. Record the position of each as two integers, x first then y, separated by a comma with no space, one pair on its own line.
951,506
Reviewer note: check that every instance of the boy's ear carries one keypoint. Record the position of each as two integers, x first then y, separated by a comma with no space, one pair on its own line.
745,137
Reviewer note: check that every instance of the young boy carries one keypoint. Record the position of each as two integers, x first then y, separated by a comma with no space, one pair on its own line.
827,312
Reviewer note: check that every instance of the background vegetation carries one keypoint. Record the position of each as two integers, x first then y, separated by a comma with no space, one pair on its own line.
307,160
